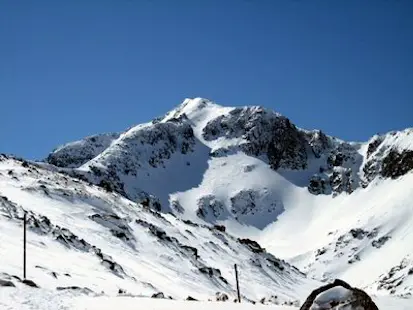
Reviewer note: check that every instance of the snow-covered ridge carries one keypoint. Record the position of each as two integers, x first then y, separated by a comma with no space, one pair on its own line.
200,129
75,154
389,155
254,171
83,236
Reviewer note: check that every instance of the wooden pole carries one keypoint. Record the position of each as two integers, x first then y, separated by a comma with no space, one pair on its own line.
236,279
24,246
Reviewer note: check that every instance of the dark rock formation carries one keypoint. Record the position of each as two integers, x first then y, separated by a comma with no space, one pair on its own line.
357,300
396,276
267,133
83,290
252,245
77,153
30,283
149,201
373,145
221,296
318,185
212,273
6,283
210,207
396,164
158,295
220,228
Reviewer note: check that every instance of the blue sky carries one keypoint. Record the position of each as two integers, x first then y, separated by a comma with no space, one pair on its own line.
74,68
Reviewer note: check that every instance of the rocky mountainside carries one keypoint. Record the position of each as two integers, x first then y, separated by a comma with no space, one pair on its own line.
332,208
180,144
77,153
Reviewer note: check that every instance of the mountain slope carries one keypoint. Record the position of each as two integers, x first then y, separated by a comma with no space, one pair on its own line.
262,177
80,235
75,154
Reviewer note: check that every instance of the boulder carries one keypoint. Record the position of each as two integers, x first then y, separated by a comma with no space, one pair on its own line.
158,295
29,283
6,283
221,296
338,295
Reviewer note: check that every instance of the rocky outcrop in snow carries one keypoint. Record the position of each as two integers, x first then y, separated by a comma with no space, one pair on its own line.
75,154
399,279
135,154
265,133
338,295
211,209
339,172
389,156
121,163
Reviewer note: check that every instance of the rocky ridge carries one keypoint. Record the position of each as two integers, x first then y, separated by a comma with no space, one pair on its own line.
338,166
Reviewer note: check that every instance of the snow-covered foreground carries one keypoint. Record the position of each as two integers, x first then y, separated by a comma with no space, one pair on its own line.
80,235
33,299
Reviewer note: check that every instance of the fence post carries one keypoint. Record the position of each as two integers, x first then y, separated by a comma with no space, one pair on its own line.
24,246
236,279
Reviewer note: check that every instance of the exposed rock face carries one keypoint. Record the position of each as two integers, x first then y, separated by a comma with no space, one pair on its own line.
6,283
159,295
251,202
75,154
244,202
135,154
221,296
253,245
338,295
341,181
340,172
396,277
397,164
318,142
265,133
211,208
124,162
149,201
388,156
318,185
118,227
373,145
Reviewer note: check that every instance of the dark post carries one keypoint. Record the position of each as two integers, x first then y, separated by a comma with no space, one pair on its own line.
24,246
236,279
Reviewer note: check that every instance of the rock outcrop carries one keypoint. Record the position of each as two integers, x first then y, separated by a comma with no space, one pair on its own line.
265,133
75,154
338,295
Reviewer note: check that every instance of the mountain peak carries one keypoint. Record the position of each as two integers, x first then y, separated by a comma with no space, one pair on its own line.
175,190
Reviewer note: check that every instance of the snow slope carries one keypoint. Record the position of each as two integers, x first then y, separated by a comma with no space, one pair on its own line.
333,208
85,239
29,299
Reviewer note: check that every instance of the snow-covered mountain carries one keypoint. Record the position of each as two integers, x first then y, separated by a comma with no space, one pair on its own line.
75,154
85,239
145,198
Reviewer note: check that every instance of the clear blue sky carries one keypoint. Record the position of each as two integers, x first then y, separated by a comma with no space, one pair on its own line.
74,68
